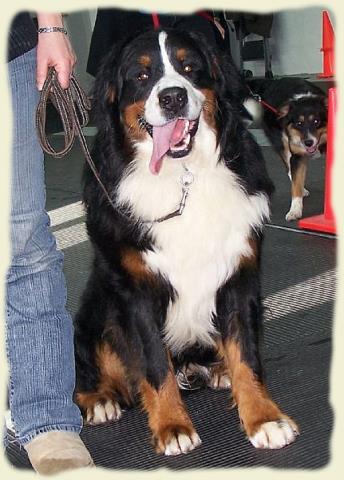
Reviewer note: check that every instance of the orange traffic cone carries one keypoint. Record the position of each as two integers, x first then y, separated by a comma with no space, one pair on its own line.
327,47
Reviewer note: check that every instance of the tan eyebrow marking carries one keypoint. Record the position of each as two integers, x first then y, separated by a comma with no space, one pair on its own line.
145,60
181,54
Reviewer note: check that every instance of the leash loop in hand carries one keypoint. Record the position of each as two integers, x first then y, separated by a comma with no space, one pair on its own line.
67,103
73,106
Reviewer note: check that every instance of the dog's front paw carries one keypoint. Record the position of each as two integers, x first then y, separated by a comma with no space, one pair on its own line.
101,413
293,216
276,434
174,441
295,211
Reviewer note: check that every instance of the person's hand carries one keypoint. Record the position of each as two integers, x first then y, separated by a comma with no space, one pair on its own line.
53,50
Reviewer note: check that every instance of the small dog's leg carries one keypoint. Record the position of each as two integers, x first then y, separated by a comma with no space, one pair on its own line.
298,176
305,191
173,432
265,425
295,211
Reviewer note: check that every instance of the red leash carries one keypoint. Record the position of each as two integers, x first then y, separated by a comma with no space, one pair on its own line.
157,25
269,107
156,21
258,98
206,15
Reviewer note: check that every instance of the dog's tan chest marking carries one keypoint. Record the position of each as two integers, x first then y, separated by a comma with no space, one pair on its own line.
135,266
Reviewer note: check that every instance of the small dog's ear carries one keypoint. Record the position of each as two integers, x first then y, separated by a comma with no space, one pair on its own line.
283,111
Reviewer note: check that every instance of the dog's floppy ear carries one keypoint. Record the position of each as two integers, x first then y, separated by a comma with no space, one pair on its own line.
107,87
230,82
283,110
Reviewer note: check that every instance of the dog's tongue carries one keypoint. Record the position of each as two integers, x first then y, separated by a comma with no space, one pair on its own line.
163,138
311,149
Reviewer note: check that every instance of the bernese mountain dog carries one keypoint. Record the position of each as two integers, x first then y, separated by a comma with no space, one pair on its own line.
174,293
295,122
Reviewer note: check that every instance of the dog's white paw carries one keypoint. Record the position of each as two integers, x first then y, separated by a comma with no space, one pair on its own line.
295,211
292,215
273,435
182,443
219,381
102,413
306,192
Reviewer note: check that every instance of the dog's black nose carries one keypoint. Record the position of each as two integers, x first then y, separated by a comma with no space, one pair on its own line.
309,143
173,99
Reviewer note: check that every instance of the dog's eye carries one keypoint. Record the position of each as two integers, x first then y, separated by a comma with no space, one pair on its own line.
316,122
143,76
299,124
187,68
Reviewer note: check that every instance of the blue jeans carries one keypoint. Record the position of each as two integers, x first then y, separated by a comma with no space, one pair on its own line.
39,330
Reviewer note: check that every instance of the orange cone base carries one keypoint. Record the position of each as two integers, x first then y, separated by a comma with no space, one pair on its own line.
325,75
319,223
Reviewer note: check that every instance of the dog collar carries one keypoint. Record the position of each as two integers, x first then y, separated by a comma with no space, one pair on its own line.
186,180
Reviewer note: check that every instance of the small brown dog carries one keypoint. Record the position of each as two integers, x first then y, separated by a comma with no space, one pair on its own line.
295,122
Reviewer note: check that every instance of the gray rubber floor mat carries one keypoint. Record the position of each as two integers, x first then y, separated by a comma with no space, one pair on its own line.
298,381
298,286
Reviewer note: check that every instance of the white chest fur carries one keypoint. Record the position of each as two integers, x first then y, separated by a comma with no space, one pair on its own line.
199,250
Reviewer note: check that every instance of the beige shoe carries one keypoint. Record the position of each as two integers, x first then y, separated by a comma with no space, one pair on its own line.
56,451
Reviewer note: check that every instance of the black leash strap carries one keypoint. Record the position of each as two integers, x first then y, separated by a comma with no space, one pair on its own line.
72,106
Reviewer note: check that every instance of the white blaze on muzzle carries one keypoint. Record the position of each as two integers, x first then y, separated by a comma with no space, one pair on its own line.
167,131
171,78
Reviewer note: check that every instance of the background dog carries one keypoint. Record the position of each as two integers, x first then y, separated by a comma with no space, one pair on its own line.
297,130
175,279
